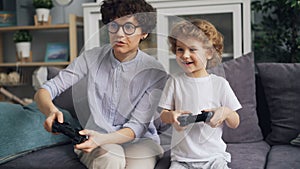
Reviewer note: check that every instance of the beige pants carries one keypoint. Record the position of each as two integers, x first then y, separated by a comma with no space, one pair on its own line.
135,155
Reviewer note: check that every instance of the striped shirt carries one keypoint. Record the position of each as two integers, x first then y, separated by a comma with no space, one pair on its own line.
116,94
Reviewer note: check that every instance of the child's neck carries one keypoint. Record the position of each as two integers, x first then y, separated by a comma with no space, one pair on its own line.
197,74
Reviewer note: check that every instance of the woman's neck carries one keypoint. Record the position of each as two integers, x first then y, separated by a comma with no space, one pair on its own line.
124,57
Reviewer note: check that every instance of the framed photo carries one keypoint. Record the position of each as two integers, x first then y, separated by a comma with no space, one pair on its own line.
57,52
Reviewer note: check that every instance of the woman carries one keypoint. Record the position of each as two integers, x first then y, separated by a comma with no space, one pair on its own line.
123,90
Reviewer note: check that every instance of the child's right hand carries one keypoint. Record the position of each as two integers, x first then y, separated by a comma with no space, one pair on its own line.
170,117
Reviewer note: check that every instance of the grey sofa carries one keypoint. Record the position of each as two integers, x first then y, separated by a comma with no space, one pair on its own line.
269,121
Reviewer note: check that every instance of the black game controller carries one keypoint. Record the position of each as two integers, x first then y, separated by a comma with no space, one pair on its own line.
69,131
187,119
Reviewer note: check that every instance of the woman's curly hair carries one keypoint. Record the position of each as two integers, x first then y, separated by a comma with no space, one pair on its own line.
203,31
143,12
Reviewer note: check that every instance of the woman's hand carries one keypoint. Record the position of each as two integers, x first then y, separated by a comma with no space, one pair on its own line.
94,139
50,119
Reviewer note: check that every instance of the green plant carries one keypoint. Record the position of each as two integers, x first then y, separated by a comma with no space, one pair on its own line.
43,4
22,36
277,35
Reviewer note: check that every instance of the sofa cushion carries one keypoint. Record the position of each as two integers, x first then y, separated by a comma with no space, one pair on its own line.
282,90
165,161
22,130
263,112
58,157
296,141
248,155
240,73
283,156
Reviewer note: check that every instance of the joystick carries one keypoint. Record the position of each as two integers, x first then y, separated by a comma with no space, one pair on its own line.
187,119
69,131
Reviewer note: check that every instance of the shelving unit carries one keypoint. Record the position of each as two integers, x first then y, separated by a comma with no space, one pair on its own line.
74,23
24,89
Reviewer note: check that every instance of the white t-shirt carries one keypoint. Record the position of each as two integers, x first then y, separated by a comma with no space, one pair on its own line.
199,141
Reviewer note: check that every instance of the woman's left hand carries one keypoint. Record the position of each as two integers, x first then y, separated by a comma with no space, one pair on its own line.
90,144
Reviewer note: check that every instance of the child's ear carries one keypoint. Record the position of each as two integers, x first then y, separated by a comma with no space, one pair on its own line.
209,54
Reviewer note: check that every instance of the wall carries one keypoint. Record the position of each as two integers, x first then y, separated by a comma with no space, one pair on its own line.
25,13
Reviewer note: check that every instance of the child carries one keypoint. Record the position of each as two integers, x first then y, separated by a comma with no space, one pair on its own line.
197,45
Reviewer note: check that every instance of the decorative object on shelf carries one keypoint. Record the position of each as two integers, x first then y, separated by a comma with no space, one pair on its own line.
42,8
63,3
39,77
57,52
22,39
12,78
15,98
7,18
3,78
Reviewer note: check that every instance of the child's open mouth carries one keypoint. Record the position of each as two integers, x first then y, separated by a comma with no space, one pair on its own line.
187,63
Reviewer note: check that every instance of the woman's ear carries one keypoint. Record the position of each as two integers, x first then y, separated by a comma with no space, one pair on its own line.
144,36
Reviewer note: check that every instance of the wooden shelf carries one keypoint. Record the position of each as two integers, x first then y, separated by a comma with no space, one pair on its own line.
30,64
76,20
74,23
12,85
16,28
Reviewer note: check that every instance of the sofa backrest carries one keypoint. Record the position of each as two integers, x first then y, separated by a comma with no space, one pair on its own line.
280,82
240,73
262,109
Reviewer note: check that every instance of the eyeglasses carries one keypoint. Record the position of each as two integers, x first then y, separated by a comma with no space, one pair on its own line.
128,28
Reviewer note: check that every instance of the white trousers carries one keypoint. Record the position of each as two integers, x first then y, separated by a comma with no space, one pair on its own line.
144,153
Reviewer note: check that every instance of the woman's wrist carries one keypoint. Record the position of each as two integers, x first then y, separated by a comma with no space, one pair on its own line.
53,111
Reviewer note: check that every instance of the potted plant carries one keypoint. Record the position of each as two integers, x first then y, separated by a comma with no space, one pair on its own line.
22,39
42,8
276,31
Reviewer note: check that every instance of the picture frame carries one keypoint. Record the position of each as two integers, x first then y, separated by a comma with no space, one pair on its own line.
57,52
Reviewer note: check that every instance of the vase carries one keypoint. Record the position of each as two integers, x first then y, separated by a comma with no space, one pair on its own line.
42,14
23,50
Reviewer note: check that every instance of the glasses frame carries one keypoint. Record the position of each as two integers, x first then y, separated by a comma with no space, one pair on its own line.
117,30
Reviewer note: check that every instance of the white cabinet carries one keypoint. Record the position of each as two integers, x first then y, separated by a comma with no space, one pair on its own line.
91,21
231,17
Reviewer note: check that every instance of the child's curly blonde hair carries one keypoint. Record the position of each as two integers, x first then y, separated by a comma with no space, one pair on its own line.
203,31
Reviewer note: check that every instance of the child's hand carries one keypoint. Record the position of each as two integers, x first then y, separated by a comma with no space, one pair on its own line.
224,114
219,116
178,127
176,123
170,117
